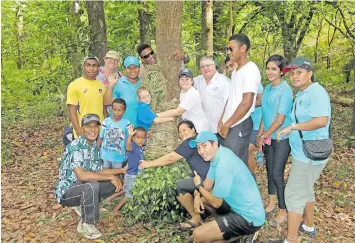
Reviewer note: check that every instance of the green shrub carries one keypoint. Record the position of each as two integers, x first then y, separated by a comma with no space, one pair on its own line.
154,194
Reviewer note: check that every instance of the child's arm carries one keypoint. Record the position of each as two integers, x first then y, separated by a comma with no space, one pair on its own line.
99,142
129,138
159,120
173,112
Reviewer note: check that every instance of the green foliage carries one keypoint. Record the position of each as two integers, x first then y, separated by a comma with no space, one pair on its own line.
6,152
154,194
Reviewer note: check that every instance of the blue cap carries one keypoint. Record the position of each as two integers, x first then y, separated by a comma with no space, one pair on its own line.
202,138
131,60
186,72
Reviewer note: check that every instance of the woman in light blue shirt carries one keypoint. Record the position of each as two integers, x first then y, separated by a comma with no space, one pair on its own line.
276,105
311,115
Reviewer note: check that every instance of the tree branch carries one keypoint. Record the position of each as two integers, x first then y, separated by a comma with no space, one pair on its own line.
336,27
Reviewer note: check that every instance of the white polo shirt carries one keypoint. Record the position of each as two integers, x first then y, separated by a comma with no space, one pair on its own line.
244,80
190,101
214,96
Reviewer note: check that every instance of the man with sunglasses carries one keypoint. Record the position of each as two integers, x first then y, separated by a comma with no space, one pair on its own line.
147,55
214,90
235,124
86,94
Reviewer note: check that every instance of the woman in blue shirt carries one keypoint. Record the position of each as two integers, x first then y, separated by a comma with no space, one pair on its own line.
311,115
276,105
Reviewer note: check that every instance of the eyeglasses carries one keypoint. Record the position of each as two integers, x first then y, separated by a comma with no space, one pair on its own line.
148,55
206,66
229,48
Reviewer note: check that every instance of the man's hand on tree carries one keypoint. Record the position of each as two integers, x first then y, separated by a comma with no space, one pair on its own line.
178,55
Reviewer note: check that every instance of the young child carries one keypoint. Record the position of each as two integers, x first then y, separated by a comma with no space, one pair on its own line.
135,154
145,116
113,136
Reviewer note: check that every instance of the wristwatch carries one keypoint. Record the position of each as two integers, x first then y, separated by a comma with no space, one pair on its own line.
198,186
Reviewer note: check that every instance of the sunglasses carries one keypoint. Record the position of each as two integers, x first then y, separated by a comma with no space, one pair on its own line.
148,55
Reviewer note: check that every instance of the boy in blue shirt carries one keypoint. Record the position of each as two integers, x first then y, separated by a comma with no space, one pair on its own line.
113,136
134,155
145,116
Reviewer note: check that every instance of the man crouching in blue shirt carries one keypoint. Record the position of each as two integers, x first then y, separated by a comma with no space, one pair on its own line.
235,195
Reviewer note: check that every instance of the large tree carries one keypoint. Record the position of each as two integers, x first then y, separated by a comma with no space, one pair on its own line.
98,39
207,27
144,23
168,38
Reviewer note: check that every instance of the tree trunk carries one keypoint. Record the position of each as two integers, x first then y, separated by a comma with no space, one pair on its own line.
168,38
75,52
144,27
317,42
97,24
352,132
207,27
218,32
231,22
19,33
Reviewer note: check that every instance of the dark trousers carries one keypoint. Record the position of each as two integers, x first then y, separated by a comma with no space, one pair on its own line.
238,139
276,156
88,196
185,186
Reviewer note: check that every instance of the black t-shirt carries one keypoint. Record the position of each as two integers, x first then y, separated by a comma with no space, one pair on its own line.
193,158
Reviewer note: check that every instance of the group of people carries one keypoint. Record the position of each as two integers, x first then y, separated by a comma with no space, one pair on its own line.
223,121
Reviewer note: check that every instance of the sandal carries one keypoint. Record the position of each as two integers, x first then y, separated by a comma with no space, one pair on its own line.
188,222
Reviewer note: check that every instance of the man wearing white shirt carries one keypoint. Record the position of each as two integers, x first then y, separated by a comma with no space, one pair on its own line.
235,124
214,90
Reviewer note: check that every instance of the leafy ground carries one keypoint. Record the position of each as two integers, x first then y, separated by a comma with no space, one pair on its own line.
30,157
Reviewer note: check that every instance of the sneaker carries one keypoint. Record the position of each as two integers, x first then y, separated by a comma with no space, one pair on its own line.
77,210
89,230
251,238
309,233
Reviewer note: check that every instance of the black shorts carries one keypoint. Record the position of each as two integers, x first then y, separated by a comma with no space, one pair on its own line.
233,225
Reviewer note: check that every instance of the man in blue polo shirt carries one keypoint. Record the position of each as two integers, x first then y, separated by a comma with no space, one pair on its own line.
126,88
234,195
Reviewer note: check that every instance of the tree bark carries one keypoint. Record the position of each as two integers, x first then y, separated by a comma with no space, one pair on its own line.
207,27
97,24
168,38
144,27
19,33
317,41
231,17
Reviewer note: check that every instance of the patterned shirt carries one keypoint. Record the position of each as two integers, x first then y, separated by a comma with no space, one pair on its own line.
77,154
103,79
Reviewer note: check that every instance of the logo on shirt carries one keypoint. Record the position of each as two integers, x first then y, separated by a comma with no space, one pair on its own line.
225,221
85,90
100,91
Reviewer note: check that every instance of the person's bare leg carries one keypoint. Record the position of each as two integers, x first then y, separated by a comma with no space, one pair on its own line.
122,202
251,158
110,198
271,204
294,220
309,214
187,201
208,232
281,217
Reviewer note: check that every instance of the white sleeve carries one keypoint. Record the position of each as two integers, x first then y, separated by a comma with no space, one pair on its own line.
227,88
251,79
189,100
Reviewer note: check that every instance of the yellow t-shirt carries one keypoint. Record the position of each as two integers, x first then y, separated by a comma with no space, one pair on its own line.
88,95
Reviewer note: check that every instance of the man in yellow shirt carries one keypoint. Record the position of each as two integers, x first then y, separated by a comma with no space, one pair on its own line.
85,94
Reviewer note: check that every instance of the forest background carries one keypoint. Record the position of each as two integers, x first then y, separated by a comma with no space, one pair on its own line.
43,43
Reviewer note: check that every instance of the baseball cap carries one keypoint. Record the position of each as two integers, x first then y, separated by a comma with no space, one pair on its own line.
90,118
202,138
186,72
298,62
90,56
131,60
113,54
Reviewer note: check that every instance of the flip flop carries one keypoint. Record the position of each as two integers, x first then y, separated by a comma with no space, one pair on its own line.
192,225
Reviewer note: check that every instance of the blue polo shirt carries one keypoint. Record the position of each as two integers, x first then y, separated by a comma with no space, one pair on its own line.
234,183
145,116
280,95
312,102
128,91
133,158
257,113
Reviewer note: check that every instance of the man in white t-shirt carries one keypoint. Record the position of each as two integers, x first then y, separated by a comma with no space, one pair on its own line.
214,90
235,124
